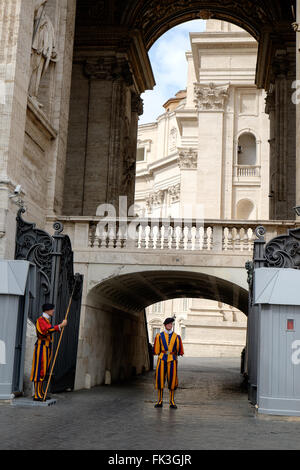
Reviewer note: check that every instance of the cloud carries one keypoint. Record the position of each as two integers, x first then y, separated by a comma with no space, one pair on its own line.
169,65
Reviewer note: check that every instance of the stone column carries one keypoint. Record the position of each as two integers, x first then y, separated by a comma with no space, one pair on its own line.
283,136
187,161
297,29
210,101
129,163
270,110
102,135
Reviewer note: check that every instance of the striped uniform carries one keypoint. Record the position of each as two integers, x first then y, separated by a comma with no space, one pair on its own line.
167,347
42,353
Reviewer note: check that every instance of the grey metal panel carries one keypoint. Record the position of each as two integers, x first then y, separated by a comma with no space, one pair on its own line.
13,276
276,286
252,345
14,285
278,381
8,324
30,294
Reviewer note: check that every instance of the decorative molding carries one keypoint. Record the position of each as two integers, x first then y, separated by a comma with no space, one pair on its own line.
210,97
109,68
42,119
284,251
296,27
174,192
270,101
205,14
155,199
188,159
137,104
155,17
173,139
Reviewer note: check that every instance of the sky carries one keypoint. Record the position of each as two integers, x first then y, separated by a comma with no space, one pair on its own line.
167,56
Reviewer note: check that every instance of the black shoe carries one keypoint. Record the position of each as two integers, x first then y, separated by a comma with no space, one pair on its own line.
158,405
37,399
173,406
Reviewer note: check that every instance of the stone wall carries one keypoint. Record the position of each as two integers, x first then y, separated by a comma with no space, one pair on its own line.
33,132
112,344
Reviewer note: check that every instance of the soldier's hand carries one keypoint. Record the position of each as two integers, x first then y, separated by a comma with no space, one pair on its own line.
63,323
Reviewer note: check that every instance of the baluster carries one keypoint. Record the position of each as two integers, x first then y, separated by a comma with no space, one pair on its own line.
243,239
92,233
197,238
193,238
147,233
201,238
205,238
225,239
237,243
209,238
178,237
141,238
229,239
233,238
112,236
154,232
121,238
170,237
250,235
185,237
162,236
103,238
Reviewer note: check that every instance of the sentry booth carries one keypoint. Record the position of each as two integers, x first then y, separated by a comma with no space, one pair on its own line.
276,293
17,289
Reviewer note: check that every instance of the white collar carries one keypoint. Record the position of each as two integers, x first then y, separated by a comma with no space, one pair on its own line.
169,332
45,315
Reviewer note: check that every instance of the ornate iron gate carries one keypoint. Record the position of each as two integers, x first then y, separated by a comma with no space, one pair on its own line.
53,257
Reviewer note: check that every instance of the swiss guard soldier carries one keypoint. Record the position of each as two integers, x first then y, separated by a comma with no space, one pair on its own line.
167,346
43,349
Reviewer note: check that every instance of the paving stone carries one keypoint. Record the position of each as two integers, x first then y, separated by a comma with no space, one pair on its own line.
213,413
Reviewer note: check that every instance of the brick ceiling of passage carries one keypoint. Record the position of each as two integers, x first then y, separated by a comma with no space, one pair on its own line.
136,291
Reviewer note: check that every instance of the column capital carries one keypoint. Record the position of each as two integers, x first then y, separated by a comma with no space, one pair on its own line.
211,97
108,68
283,64
187,159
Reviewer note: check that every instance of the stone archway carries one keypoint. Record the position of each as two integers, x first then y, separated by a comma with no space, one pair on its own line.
112,68
113,336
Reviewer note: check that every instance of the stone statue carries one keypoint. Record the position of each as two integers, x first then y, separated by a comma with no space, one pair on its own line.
43,48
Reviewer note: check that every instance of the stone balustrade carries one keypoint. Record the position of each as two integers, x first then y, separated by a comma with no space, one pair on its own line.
247,171
168,234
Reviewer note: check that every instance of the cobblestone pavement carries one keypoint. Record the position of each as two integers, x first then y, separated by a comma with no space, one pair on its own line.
213,413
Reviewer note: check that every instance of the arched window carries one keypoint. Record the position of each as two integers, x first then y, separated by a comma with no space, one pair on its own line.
245,210
247,149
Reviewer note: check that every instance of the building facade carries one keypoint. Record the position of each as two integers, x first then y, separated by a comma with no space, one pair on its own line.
207,157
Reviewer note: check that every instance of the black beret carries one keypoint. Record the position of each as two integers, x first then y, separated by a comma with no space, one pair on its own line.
47,307
169,320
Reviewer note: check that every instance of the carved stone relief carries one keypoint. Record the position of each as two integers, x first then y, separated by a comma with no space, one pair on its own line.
188,159
173,140
43,48
210,97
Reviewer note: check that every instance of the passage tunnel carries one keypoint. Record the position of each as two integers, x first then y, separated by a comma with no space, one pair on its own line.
113,342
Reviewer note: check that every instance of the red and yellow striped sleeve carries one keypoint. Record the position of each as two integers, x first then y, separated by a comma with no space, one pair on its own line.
180,346
45,327
156,347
